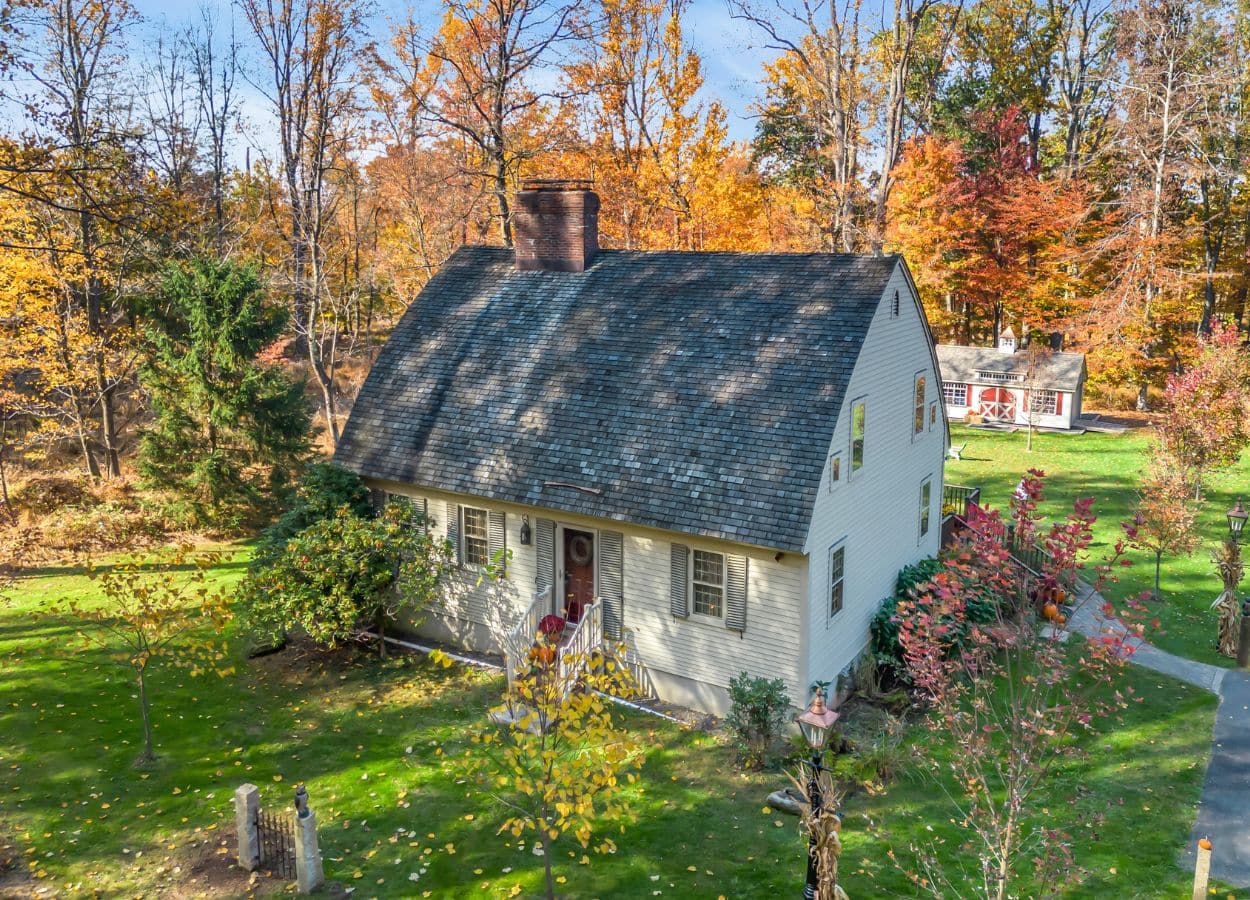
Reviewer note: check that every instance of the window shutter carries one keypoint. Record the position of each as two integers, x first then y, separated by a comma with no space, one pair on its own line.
545,545
612,581
377,499
453,530
1059,403
680,559
497,540
736,592
969,403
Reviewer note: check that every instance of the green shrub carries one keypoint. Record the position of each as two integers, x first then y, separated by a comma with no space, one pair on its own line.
344,574
758,712
323,490
982,606
885,646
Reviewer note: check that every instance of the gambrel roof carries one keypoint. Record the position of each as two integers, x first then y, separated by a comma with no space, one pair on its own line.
1056,370
692,392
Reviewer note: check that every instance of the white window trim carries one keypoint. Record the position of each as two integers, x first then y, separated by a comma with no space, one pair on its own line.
924,403
962,402
920,508
464,535
724,593
1054,402
830,615
850,450
836,456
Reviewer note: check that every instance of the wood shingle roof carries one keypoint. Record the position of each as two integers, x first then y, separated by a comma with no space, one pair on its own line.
694,392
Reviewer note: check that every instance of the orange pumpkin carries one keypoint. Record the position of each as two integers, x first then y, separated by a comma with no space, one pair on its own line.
1061,619
1050,611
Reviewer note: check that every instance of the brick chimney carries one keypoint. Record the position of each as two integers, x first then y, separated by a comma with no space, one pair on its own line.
555,225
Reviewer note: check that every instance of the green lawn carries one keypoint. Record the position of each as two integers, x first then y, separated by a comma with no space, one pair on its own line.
1107,467
375,742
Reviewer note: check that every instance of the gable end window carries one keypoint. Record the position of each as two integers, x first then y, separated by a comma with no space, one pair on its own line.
894,306
932,414
917,418
858,421
837,578
707,584
835,469
926,503
474,535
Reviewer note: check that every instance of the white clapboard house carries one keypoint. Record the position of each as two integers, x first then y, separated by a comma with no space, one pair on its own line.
722,459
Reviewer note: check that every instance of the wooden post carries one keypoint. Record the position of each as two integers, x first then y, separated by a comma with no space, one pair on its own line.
1202,869
246,810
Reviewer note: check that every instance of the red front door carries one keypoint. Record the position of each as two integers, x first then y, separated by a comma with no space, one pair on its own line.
579,572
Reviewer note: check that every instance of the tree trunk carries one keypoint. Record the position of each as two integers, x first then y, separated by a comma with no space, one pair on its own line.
551,882
1158,567
149,754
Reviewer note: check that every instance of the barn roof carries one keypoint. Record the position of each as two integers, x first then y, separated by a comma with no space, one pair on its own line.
693,392
1056,370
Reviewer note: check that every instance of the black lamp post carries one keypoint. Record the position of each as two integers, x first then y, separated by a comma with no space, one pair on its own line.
815,724
1237,520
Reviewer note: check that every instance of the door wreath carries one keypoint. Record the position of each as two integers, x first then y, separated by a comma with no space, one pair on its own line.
580,550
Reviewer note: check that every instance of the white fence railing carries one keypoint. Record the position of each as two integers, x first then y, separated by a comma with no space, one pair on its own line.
520,639
586,637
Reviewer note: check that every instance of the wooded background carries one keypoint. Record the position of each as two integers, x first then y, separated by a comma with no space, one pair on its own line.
1054,165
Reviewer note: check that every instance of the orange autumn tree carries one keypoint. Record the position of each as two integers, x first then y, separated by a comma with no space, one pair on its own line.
986,237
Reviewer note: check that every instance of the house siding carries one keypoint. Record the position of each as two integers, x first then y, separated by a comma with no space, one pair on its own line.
689,661
875,513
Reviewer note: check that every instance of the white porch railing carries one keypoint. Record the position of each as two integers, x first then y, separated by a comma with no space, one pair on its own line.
520,639
586,637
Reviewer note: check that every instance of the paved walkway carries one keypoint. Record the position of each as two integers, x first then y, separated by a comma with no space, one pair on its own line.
1087,618
1224,810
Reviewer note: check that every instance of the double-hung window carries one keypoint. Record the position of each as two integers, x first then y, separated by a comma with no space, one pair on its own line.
835,469
858,421
475,544
708,584
926,503
837,578
917,418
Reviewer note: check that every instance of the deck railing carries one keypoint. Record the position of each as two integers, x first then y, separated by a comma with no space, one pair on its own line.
956,498
518,641
586,638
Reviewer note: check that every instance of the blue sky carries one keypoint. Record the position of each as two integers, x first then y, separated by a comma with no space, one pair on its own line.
732,60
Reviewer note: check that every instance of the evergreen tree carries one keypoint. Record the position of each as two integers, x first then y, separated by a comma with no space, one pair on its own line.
228,429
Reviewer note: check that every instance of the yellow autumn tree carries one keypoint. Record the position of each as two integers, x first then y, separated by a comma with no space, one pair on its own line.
658,155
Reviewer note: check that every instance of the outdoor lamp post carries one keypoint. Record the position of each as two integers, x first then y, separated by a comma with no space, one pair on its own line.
1237,520
815,724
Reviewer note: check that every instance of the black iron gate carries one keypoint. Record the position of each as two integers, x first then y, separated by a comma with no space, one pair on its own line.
276,837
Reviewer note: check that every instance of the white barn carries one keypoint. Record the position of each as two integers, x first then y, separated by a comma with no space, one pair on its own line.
725,457
1009,386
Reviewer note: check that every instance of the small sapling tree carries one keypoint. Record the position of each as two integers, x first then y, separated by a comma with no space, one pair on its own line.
1164,521
561,757
344,574
150,610
1009,705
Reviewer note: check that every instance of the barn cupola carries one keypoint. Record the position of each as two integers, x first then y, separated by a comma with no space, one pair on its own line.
1007,340
555,225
